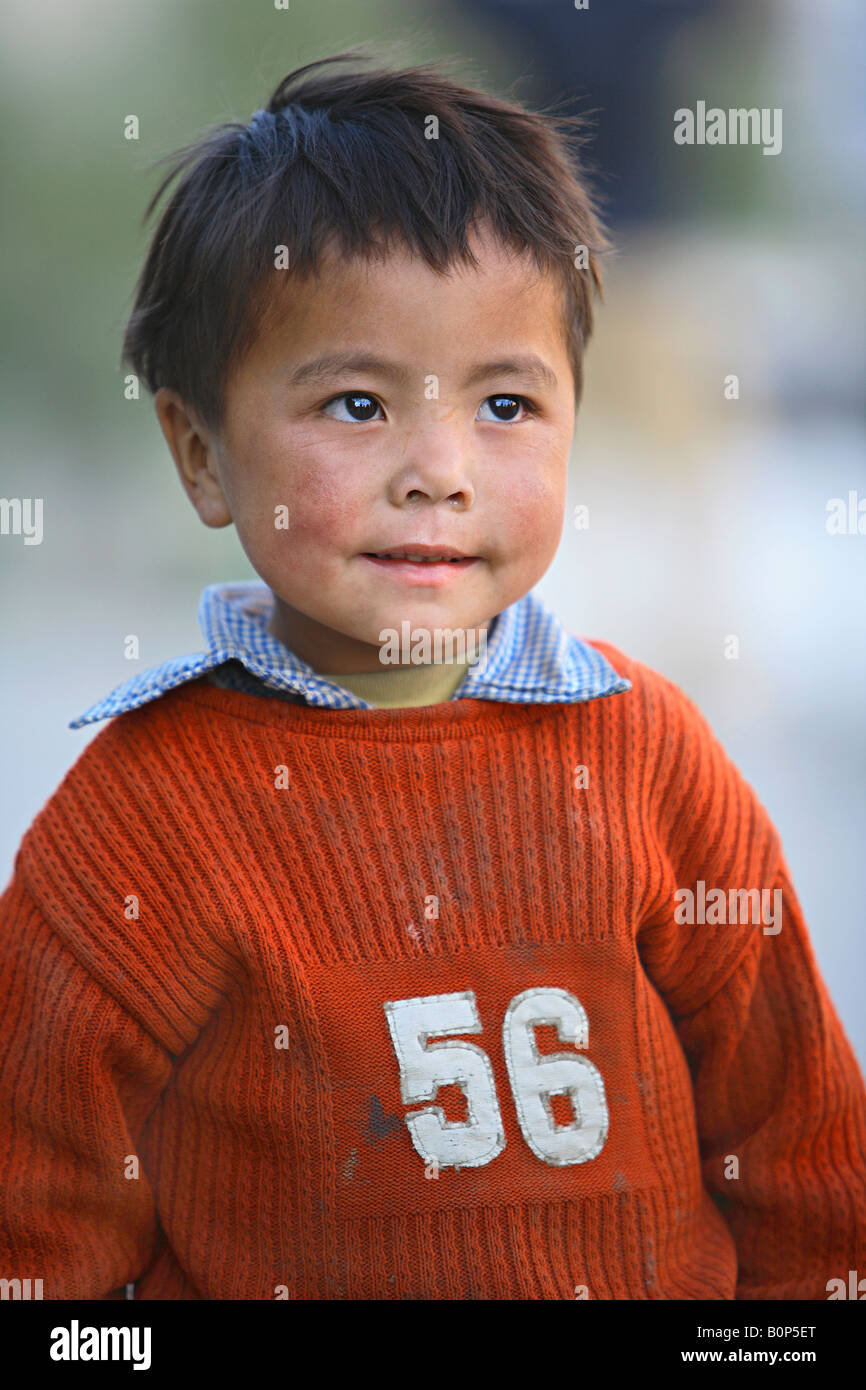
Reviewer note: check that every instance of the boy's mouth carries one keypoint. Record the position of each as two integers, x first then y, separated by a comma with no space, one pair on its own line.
422,564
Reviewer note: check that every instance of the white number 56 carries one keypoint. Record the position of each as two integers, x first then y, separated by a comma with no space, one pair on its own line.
534,1077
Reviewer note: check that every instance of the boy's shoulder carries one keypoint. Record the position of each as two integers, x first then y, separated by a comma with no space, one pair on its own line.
117,790
112,862
652,695
232,617
665,741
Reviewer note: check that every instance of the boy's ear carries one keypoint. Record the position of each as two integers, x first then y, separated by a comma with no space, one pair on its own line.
193,450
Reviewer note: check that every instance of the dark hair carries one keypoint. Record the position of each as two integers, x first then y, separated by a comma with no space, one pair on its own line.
338,157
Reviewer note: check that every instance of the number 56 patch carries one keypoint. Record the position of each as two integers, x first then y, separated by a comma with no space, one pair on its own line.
486,1077
534,1077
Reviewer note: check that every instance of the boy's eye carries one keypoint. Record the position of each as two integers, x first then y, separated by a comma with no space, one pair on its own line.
504,408
354,406
360,406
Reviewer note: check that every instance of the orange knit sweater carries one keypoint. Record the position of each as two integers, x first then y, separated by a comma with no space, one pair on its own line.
400,1003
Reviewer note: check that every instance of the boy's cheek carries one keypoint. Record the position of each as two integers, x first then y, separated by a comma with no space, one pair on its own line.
536,499
295,499
289,536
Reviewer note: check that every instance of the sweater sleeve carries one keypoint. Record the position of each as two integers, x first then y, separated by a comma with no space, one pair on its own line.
781,1115
779,1097
78,1079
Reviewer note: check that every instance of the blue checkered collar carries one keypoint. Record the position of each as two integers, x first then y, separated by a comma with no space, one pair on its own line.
529,658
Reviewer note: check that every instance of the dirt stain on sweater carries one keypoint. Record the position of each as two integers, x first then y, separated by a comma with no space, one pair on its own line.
380,1125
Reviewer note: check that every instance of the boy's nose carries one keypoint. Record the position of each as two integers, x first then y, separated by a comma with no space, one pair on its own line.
416,496
419,485
436,471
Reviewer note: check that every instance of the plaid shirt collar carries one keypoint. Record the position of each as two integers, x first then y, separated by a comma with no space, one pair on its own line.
529,658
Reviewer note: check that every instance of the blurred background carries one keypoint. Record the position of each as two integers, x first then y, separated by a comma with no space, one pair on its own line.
707,515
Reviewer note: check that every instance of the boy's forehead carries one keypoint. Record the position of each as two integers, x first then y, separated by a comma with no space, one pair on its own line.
395,296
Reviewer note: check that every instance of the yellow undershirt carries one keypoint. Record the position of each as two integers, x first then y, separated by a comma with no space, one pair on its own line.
397,687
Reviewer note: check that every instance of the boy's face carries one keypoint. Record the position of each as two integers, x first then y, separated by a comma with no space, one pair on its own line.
419,434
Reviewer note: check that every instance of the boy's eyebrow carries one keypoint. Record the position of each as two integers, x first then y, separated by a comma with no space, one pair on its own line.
330,363
530,367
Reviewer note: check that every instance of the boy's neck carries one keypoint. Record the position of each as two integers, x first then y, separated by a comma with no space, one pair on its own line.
394,687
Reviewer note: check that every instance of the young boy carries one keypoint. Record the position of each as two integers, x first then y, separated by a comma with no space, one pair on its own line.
336,970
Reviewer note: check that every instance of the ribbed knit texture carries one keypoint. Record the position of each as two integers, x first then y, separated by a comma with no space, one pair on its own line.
265,907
